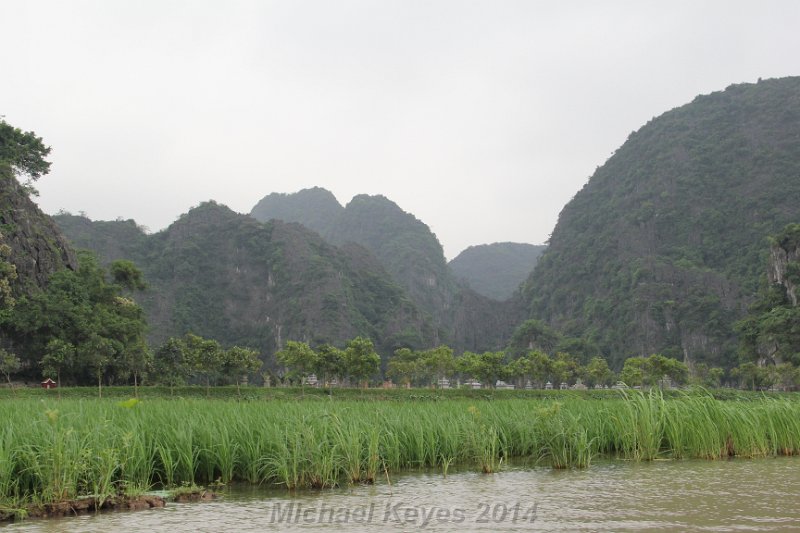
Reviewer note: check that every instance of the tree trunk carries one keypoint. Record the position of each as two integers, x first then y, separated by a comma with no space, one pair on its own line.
58,382
135,386
100,386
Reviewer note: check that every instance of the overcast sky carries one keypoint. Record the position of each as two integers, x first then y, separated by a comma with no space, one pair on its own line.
482,118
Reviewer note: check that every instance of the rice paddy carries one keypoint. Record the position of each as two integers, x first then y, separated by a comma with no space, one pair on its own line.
59,450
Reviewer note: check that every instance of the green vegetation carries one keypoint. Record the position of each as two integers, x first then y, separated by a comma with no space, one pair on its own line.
663,248
64,449
82,324
228,277
496,270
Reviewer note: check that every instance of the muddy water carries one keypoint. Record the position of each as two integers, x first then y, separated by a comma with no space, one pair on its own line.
739,495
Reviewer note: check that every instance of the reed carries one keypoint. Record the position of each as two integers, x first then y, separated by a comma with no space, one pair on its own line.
57,450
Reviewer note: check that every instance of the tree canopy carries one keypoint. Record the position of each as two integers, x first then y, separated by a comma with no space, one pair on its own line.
23,151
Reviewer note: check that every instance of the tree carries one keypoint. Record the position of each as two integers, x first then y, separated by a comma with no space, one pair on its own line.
438,362
172,364
565,367
127,275
750,375
533,335
598,372
138,361
205,357
632,373
241,362
706,376
78,307
403,366
657,366
360,359
487,367
97,354
329,363
299,358
58,355
23,151
9,364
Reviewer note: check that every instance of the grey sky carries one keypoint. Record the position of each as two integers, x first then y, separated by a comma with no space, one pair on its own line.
482,118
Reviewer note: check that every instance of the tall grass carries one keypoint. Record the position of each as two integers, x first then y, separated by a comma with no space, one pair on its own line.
55,450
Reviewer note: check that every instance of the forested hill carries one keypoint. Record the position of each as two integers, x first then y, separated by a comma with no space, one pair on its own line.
496,270
662,250
226,276
412,254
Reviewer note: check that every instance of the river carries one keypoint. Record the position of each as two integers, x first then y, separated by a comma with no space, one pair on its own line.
731,495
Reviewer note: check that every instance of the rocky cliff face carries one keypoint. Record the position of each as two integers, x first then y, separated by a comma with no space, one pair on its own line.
37,247
784,262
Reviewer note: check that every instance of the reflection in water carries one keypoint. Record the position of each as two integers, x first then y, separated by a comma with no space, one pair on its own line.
738,495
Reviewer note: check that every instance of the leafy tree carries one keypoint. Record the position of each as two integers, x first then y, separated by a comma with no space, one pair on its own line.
80,308
565,367
750,375
138,361
487,367
541,366
241,362
650,370
127,275
360,359
438,362
299,358
172,364
205,357
706,376
468,365
23,151
9,364
533,335
97,353
598,372
633,371
657,366
58,355
403,366
329,363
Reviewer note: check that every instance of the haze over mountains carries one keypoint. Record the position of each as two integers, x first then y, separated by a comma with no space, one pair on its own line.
662,251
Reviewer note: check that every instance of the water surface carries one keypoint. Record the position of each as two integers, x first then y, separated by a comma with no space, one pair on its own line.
736,495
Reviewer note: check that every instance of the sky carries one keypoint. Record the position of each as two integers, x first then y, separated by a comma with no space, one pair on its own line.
481,118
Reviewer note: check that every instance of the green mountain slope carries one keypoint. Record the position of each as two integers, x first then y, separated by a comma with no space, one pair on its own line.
226,276
412,254
662,249
496,270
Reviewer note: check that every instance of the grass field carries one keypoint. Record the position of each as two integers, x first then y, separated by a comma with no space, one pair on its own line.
52,450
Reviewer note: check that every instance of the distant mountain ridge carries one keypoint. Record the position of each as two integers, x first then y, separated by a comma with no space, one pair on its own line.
226,276
663,249
496,270
412,254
